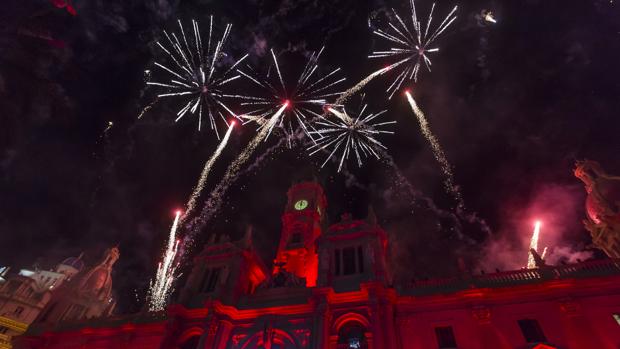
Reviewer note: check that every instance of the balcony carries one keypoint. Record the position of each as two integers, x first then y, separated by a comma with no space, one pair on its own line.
595,268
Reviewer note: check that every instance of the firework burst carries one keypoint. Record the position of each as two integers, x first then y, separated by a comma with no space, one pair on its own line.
348,135
161,288
196,76
303,99
412,45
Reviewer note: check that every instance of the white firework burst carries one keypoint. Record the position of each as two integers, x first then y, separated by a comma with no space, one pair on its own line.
347,135
302,99
412,44
195,75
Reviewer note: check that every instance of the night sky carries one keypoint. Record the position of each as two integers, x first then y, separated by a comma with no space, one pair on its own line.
514,104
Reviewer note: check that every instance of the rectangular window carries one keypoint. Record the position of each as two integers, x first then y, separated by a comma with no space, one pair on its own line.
445,337
617,318
337,261
532,332
348,260
360,260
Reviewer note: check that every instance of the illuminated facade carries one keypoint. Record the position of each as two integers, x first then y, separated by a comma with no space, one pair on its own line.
332,289
24,295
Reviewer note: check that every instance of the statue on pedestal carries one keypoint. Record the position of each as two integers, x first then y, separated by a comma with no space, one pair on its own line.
602,206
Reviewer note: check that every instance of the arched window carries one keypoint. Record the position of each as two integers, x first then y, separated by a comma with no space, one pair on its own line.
352,336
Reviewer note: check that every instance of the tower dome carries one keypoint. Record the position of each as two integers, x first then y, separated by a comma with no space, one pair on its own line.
71,266
75,262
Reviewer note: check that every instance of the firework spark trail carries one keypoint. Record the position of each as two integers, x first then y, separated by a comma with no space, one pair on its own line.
147,108
110,124
191,204
306,96
411,44
217,195
161,288
349,135
531,262
417,196
263,156
195,76
544,253
344,97
438,152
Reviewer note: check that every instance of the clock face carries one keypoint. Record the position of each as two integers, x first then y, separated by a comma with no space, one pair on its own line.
301,204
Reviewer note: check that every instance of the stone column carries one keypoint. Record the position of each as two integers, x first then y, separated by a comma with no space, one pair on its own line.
322,318
388,322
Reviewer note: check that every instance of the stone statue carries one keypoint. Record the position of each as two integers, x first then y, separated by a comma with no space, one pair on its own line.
602,206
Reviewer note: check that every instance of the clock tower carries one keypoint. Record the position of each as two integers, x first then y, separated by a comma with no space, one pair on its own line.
301,226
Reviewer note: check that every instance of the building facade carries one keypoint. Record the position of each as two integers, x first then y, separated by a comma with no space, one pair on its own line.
331,288
24,295
70,292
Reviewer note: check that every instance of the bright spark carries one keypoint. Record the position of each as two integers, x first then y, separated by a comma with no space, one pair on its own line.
110,124
531,263
303,97
191,204
544,253
411,44
438,152
195,76
348,135
489,17
161,288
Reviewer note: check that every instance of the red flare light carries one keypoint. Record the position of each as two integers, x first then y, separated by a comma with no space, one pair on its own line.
178,212
287,103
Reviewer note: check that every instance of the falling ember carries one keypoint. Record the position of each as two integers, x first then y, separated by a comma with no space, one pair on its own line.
411,44
437,150
110,124
531,263
161,288
191,204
